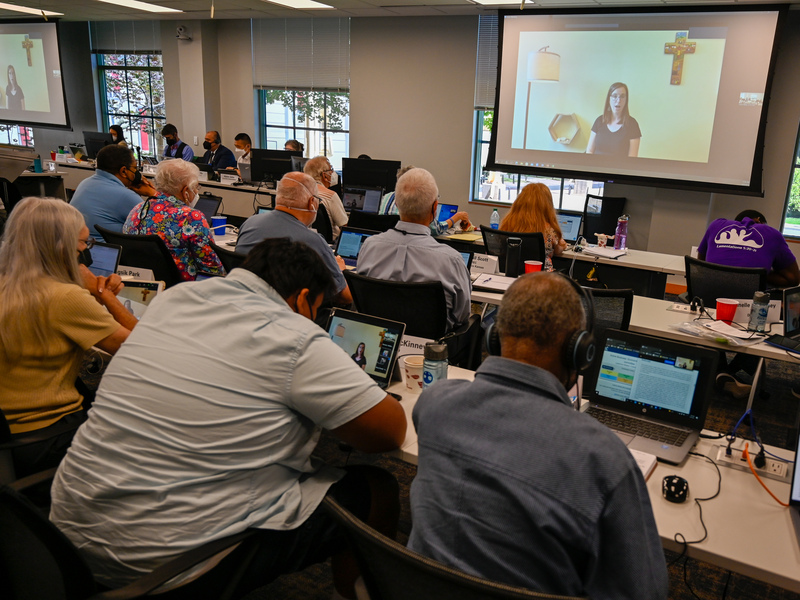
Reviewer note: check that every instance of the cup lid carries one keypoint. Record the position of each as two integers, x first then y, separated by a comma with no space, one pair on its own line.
435,351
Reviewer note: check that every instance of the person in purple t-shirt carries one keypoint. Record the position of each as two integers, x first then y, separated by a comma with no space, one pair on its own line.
747,241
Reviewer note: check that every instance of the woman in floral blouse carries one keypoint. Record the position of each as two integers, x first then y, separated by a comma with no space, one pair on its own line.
172,217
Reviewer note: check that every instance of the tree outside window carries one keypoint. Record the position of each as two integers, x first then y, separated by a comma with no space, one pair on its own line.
791,223
15,135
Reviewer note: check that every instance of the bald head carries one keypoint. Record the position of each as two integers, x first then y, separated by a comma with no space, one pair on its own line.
294,190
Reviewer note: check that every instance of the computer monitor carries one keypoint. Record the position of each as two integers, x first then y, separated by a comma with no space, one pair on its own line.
373,173
95,141
271,165
362,197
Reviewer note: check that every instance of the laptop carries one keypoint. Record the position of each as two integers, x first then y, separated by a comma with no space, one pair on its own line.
381,339
263,209
570,223
208,205
137,295
245,172
349,244
794,496
445,211
105,259
653,393
362,197
467,256
790,340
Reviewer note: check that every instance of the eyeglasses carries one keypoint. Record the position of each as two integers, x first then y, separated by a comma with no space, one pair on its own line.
89,243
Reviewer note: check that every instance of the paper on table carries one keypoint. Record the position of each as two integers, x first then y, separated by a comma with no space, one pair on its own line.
647,462
723,327
492,283
465,237
604,252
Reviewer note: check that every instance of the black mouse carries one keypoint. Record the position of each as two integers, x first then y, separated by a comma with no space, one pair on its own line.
675,488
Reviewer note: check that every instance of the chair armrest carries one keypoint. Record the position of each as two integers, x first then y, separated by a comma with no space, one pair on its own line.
25,482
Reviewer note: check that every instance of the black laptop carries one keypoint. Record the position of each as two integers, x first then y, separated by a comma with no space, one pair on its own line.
349,244
105,259
790,340
653,393
208,205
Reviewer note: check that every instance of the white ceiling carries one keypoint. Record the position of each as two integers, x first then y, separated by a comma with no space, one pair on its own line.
92,10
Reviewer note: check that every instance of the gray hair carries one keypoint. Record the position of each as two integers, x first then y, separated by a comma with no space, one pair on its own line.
294,190
543,307
403,170
174,175
415,193
316,167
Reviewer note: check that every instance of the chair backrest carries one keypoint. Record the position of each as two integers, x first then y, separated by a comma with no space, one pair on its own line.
709,281
421,306
393,572
496,243
229,259
365,220
9,194
322,224
145,252
612,309
604,221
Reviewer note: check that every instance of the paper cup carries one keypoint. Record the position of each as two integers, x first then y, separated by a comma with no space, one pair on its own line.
412,372
726,308
218,224
531,266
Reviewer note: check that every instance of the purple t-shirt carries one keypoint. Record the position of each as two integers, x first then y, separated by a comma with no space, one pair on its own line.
745,243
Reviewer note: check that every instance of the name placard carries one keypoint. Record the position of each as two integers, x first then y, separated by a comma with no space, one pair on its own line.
483,263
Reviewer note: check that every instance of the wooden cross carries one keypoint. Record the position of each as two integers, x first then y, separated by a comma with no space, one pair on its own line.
28,44
145,294
678,49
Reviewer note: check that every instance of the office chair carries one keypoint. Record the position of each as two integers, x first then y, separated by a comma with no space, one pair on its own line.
423,308
496,243
229,259
365,220
709,281
612,310
9,194
322,224
393,572
38,561
145,252
604,221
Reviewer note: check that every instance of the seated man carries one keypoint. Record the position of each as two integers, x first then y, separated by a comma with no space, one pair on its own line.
174,147
747,241
217,156
107,197
204,426
409,253
516,486
296,203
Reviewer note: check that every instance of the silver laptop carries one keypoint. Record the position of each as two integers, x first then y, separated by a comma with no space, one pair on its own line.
349,244
790,340
245,172
653,393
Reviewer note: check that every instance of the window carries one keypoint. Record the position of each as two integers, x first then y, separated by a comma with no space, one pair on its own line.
319,120
791,222
16,135
132,96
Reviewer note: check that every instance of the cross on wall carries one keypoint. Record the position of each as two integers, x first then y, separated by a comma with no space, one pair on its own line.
28,44
678,49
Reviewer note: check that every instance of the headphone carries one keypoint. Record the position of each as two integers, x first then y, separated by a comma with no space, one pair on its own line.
579,351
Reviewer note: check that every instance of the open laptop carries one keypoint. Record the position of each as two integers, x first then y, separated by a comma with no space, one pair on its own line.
381,339
446,211
208,205
137,295
245,172
570,223
105,259
467,256
349,244
653,393
362,197
790,340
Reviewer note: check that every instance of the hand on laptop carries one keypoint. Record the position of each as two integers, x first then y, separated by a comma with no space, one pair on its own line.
340,262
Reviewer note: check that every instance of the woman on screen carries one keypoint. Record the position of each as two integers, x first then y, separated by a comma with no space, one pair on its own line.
359,357
117,135
533,212
14,95
615,132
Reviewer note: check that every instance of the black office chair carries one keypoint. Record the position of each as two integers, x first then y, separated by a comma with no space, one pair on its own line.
229,259
9,194
709,281
612,310
393,572
496,243
604,221
423,308
365,220
145,252
38,561
322,224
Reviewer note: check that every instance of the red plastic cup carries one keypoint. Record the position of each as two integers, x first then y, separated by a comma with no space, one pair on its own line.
52,156
531,266
726,308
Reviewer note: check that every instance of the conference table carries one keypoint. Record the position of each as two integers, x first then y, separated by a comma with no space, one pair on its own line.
748,532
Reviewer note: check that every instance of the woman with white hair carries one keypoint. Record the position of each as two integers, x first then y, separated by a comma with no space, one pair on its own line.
321,170
171,216
52,309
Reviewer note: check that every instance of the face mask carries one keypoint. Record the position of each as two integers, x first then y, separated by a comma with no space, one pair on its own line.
137,178
170,141
85,257
334,178
207,145
193,203
113,138
239,153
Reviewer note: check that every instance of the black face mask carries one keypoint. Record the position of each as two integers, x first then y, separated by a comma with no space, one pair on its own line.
170,141
207,145
85,257
137,177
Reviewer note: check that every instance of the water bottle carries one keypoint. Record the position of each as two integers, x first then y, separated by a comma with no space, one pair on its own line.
513,257
621,234
758,312
494,220
434,367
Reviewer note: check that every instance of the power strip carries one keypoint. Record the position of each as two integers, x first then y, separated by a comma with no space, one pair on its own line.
682,308
773,469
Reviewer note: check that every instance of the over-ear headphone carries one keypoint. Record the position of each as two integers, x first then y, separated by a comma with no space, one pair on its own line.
579,350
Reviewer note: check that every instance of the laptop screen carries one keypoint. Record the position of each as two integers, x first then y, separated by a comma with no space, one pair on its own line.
791,312
445,211
570,223
350,242
208,206
105,259
467,256
653,377
371,342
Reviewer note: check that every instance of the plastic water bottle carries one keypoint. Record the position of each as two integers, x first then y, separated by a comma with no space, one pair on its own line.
494,220
621,234
434,367
758,312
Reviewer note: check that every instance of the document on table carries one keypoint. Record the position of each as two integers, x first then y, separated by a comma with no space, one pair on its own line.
465,237
646,461
492,283
604,252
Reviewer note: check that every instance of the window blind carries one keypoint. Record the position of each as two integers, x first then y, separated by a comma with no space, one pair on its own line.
125,37
486,68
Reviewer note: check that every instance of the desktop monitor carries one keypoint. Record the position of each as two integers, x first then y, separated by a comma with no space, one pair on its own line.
94,142
362,197
271,165
373,173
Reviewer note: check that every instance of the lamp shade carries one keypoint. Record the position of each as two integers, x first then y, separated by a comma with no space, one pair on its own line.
543,65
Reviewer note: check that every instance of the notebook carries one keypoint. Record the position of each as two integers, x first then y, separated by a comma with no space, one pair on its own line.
349,244
653,393
380,338
570,224
208,205
790,340
362,197
105,259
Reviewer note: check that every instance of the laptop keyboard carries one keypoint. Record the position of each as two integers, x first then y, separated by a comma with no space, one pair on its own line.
634,426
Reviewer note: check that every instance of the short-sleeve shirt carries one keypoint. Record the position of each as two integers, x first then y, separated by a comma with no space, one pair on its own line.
615,142
745,243
104,200
39,388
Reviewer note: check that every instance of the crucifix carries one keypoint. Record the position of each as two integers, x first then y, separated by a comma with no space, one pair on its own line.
28,44
678,49
145,294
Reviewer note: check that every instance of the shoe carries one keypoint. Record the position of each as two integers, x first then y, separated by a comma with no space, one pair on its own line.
730,385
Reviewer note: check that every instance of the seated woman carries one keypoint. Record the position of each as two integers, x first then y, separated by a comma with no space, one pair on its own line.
117,135
533,212
51,311
321,170
172,217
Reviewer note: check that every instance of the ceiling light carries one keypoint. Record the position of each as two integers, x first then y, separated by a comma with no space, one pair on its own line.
146,6
299,4
29,11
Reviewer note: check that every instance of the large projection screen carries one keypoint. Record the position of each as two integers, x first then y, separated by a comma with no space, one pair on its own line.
696,89
29,52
